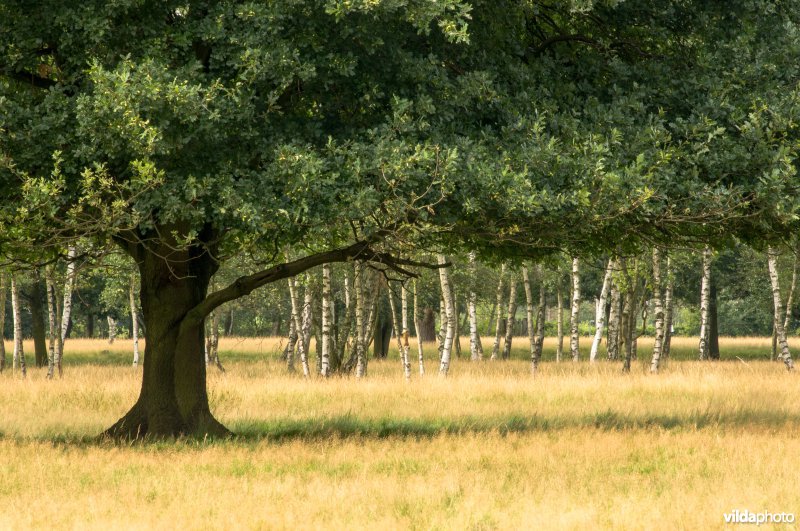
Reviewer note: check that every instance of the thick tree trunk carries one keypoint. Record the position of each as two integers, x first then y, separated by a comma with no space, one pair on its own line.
134,320
427,328
418,328
658,318
705,295
600,314
89,324
559,322
173,399
66,308
3,290
38,329
772,265
449,316
361,354
327,318
499,323
383,336
510,316
19,352
576,303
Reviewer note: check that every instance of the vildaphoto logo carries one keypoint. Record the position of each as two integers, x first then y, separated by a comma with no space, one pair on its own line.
764,517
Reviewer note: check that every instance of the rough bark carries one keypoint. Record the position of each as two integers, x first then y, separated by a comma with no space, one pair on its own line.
512,311
772,259
327,318
576,303
134,320
658,317
19,353
418,328
427,328
499,306
705,295
450,318
600,314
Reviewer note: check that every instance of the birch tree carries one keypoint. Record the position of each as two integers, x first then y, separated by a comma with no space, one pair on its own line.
559,321
53,331
512,310
418,328
772,265
19,352
529,316
600,313
327,321
66,307
541,312
575,308
668,309
499,305
658,318
360,350
3,289
444,279
614,321
298,324
705,295
792,289
400,334
475,346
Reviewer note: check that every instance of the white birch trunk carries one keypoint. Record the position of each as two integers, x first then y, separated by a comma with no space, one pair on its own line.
559,322
361,358
418,327
298,324
291,344
705,297
404,332
3,289
658,317
134,322
576,303
475,346
444,279
614,322
790,296
512,310
498,324
19,353
529,315
541,312
305,331
667,310
399,333
53,331
66,308
600,314
327,319
772,260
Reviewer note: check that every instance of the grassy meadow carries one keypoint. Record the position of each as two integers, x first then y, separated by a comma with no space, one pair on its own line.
578,447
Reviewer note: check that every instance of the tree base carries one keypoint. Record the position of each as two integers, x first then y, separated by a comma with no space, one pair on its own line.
138,425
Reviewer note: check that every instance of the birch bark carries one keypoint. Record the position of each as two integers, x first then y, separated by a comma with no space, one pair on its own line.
529,316
52,331
418,328
541,312
3,289
576,302
326,320
298,326
614,322
444,279
600,314
772,259
498,324
66,308
668,310
559,322
512,310
705,295
658,317
358,293
19,353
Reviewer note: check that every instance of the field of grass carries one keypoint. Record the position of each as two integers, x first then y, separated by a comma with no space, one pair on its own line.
578,447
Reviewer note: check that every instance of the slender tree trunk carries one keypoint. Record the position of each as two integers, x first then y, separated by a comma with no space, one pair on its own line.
600,314
442,328
627,328
298,325
447,295
475,346
529,316
559,322
772,259
326,320
541,312
134,321
361,357
19,353
705,294
790,298
291,344
667,311
343,337
456,324
3,289
112,329
66,308
658,318
37,321
418,328
713,323
305,331
576,303
498,325
400,333
510,317
614,322
404,331
53,330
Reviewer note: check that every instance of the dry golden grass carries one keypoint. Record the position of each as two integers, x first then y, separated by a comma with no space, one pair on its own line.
578,447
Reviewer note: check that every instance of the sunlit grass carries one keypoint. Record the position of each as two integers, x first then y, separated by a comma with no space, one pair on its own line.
579,446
